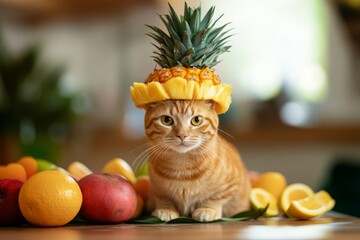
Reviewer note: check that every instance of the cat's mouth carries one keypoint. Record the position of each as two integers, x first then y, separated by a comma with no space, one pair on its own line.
184,146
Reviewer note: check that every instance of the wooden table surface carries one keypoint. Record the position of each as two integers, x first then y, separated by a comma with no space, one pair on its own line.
329,226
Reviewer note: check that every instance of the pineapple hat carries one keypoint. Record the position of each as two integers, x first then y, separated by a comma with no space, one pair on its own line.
186,56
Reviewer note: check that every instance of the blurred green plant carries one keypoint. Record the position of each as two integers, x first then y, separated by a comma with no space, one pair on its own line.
38,102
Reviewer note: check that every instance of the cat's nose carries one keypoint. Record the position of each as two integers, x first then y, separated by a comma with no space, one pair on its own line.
181,136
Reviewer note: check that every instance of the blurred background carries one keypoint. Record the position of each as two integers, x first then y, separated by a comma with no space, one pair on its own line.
66,68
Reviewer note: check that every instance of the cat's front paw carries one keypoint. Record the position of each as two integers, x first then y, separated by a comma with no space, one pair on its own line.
206,214
165,214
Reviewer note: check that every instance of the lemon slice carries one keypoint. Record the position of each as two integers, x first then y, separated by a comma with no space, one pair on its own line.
260,198
121,167
312,206
78,169
292,192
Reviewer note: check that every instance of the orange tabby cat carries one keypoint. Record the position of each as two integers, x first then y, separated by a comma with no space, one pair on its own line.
193,171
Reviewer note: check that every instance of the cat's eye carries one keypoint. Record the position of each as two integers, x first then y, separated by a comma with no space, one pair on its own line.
166,120
196,121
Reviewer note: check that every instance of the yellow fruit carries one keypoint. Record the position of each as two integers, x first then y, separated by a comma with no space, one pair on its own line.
194,74
50,198
139,206
182,88
121,167
295,191
260,198
273,182
311,207
78,170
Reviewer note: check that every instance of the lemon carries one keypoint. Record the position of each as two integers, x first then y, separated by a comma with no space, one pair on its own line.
121,167
50,198
260,198
273,182
78,170
312,206
292,192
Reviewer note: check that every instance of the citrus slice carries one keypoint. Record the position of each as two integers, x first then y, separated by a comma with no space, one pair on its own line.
121,167
295,191
78,170
260,198
312,206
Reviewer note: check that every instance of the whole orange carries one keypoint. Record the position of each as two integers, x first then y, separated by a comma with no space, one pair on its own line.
142,187
29,164
273,182
139,206
50,198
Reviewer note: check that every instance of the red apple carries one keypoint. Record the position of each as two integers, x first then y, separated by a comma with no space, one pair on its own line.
107,198
9,205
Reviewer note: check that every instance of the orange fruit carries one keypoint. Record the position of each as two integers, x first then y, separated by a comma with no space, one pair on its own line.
142,187
139,206
295,191
30,165
50,198
260,198
273,182
311,207
14,171
121,167
2,171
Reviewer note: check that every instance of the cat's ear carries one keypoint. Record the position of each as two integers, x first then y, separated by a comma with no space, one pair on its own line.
211,104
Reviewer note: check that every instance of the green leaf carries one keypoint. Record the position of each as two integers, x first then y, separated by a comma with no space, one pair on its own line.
242,216
199,37
175,18
205,22
146,220
190,31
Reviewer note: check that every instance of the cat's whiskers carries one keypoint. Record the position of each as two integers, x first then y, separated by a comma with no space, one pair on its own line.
139,147
214,154
223,144
142,157
226,133
161,148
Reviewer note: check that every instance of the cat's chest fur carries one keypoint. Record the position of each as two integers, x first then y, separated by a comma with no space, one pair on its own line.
185,184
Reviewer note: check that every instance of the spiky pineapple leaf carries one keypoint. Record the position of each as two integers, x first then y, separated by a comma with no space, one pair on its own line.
190,41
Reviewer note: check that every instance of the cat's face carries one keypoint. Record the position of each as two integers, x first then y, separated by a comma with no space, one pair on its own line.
181,125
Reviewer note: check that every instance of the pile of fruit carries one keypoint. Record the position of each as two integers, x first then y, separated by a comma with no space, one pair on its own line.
295,200
43,194
39,192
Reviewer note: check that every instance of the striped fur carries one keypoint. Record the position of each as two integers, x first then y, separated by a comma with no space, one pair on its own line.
200,176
